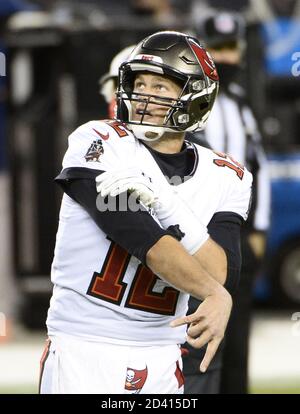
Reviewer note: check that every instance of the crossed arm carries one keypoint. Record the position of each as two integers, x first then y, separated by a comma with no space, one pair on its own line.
168,258
187,273
197,266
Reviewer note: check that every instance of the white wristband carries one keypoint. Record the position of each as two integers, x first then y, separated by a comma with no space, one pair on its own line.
172,211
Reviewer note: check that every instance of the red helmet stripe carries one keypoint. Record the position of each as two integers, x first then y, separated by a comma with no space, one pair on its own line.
205,61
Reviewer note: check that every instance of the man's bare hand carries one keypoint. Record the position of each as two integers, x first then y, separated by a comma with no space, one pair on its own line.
208,324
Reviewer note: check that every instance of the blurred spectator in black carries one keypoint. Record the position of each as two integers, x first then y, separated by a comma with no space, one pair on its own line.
231,128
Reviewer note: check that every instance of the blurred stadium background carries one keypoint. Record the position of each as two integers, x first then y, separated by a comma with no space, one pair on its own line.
52,54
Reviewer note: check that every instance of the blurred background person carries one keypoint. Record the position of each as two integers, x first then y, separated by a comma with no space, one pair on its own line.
232,129
108,83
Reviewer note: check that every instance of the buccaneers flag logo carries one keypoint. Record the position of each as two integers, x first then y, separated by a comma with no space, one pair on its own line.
94,152
135,379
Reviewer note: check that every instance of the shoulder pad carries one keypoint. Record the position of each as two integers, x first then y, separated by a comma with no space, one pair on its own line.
99,145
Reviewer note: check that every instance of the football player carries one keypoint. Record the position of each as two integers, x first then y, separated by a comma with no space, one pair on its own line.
146,219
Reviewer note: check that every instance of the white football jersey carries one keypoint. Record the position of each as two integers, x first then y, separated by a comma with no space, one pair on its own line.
102,293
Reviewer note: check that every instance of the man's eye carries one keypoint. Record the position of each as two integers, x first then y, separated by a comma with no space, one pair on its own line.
139,85
161,87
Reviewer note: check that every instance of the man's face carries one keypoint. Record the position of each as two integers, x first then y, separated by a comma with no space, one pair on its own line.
153,84
227,53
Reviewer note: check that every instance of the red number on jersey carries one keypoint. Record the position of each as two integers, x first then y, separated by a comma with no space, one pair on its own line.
118,127
143,298
108,285
233,165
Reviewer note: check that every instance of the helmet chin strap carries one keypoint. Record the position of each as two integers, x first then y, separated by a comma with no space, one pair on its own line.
140,132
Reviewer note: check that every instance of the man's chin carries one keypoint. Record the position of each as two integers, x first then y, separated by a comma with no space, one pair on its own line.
151,135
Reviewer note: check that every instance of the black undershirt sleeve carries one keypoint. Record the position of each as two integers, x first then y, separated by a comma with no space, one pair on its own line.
224,228
135,231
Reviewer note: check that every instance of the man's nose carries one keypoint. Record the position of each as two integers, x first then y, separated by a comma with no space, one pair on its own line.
142,102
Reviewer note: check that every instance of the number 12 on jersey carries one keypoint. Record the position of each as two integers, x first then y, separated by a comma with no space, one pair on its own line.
108,285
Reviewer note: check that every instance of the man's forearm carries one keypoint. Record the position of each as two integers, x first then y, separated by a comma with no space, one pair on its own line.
212,258
172,262
208,323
